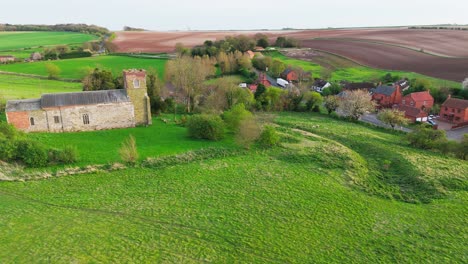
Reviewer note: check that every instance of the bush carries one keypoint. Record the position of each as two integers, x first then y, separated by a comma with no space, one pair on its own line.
205,127
67,155
247,133
235,115
269,137
7,131
7,149
32,153
426,138
128,151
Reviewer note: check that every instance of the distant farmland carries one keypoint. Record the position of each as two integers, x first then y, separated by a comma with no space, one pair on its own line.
402,49
25,40
76,68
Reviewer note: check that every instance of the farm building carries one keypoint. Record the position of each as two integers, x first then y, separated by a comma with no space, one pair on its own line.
319,85
387,96
84,111
420,100
6,59
454,111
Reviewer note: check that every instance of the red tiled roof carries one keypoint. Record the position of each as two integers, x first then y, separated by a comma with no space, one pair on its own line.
421,96
456,103
412,111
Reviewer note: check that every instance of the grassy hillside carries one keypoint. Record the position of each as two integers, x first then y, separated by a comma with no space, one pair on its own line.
18,87
322,197
76,68
355,73
26,40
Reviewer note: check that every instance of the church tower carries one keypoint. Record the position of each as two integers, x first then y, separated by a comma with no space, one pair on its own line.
135,85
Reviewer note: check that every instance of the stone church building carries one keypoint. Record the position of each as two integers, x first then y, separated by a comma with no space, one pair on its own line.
85,111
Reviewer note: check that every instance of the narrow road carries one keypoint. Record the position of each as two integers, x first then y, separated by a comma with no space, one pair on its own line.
372,119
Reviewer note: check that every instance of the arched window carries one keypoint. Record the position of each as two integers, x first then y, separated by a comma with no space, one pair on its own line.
31,120
86,119
136,83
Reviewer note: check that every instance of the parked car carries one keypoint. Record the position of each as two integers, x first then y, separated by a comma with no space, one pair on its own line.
431,122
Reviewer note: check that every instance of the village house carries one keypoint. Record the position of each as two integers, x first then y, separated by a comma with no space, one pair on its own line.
7,59
416,106
387,96
454,111
289,75
84,111
421,100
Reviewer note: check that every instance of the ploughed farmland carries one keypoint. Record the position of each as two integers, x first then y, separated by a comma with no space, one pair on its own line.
394,58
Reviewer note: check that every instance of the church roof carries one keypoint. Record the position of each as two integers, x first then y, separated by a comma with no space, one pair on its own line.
68,99
23,105
84,98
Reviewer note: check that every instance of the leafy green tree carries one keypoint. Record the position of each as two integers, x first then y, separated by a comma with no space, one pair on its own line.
263,42
99,80
53,71
273,97
235,115
277,67
269,137
392,117
314,100
333,89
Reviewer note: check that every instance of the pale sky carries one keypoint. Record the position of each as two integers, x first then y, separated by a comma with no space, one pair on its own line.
238,14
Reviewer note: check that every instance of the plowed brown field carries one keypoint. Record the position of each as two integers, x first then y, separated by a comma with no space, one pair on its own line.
395,58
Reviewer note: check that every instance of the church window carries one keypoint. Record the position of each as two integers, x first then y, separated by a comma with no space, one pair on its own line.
136,83
56,119
31,120
86,119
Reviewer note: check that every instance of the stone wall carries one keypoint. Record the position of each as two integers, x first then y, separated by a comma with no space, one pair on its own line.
103,116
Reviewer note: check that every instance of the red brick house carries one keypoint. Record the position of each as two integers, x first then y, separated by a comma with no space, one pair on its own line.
263,79
412,113
387,96
289,75
420,100
454,110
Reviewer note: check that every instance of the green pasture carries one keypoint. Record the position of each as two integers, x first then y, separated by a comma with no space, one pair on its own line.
27,40
77,68
321,197
19,87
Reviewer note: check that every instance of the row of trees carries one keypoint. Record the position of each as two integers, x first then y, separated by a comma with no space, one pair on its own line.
82,28
240,43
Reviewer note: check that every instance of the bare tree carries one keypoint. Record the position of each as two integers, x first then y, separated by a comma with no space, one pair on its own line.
356,103
187,75
465,84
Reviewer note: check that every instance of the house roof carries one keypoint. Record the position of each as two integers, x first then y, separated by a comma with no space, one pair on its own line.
456,103
84,98
403,83
421,96
287,71
384,89
319,83
412,111
23,105
357,86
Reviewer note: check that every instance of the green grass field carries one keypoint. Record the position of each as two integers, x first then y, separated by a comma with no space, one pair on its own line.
26,40
357,73
322,197
76,68
99,147
19,87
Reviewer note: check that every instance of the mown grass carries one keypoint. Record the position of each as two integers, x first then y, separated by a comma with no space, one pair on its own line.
27,40
358,73
77,68
19,87
291,204
100,147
